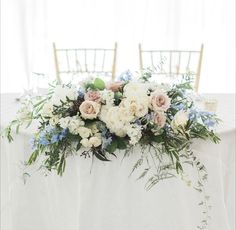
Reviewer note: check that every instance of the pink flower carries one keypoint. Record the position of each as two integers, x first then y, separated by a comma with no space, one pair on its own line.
114,86
160,101
89,109
160,119
92,96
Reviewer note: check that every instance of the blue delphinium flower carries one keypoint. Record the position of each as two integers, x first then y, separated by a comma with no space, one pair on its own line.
178,107
193,115
43,141
54,138
49,129
32,142
138,122
63,134
209,123
106,142
81,93
125,76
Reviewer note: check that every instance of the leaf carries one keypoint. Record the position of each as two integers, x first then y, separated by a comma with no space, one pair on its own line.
100,156
121,144
99,84
157,139
33,157
78,146
178,167
113,146
144,173
137,164
61,166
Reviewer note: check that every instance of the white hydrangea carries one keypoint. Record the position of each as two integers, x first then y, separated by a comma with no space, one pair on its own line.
111,116
134,132
75,124
135,90
64,122
107,97
61,93
136,107
72,123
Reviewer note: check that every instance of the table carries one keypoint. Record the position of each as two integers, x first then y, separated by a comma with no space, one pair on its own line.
106,198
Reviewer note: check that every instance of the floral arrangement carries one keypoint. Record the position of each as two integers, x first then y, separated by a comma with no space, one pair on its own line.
97,119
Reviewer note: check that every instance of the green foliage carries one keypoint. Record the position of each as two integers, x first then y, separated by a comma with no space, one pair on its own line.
99,84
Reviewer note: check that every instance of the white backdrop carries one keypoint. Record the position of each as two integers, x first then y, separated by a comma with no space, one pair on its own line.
30,27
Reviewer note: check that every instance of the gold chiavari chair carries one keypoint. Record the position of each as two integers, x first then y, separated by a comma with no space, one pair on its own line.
83,60
173,62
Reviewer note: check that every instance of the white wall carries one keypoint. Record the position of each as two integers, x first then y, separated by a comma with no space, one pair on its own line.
30,27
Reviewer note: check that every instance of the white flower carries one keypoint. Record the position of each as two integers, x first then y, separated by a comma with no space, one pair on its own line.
136,107
135,133
61,93
111,117
180,119
107,97
47,110
64,122
95,141
24,113
72,123
85,142
84,132
75,124
135,90
54,120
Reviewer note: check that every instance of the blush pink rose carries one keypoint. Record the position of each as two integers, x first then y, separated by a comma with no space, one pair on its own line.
115,86
160,101
89,109
160,119
92,96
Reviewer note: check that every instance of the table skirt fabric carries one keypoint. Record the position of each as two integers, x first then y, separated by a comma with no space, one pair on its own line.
104,197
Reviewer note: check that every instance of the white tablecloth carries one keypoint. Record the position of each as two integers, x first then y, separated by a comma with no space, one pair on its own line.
106,198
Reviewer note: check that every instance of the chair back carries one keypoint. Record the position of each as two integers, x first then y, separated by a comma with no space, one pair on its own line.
78,61
173,63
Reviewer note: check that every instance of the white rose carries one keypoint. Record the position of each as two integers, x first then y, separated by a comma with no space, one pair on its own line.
47,110
95,141
85,142
84,132
180,119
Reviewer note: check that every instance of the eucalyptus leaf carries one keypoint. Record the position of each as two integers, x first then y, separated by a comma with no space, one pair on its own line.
99,84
